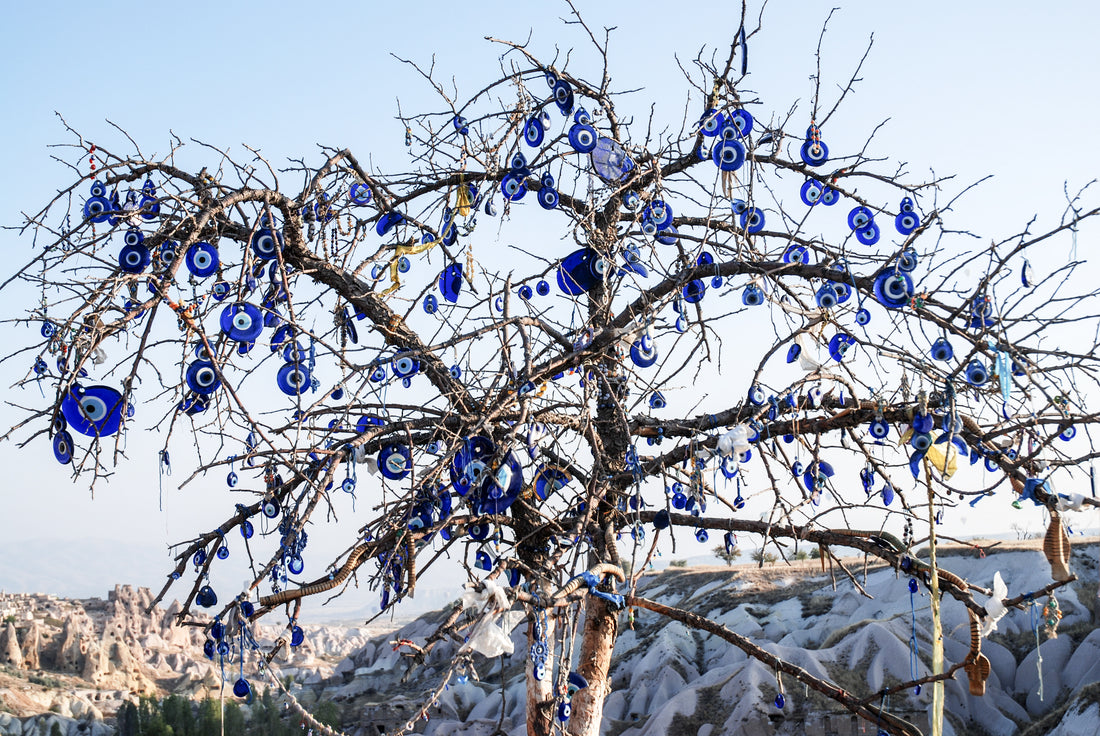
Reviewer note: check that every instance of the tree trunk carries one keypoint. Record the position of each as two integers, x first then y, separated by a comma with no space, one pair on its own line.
601,627
601,624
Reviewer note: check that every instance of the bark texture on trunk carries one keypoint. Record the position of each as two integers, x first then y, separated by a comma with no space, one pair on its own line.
597,642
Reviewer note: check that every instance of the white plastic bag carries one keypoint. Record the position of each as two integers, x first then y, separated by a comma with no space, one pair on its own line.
492,635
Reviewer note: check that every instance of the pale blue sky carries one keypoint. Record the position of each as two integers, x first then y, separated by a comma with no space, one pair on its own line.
1002,88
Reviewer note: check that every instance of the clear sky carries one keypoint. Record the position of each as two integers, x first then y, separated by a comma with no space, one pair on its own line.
1002,88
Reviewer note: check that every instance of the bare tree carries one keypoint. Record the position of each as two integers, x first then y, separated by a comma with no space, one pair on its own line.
731,312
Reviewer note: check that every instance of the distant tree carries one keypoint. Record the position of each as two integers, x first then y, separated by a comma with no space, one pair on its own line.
727,555
767,558
234,720
266,717
150,718
678,563
179,715
127,719
209,720
685,317
328,713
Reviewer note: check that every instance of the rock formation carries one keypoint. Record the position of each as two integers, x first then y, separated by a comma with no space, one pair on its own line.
667,678
90,655
10,653
32,645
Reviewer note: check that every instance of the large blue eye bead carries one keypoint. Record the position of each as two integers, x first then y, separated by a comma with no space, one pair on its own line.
388,221
728,155
893,289
907,261
533,132
450,282
95,411
868,235
752,220
976,373
826,296
906,222
202,378
659,213
712,123
63,447
548,198
405,366
206,597
395,461
879,429
563,96
814,153
97,209
582,138
242,321
360,194
811,192
134,258
839,345
148,205
266,244
202,259
643,352
942,350
742,121
293,379
513,187
859,218
694,291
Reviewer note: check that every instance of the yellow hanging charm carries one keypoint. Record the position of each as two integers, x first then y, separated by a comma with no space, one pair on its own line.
463,200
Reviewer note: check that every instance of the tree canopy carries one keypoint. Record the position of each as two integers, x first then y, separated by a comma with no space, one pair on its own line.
558,337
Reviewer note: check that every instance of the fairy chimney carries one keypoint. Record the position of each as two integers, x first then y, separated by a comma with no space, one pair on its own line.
32,646
9,647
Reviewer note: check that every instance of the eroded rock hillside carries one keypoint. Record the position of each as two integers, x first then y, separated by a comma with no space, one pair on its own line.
669,679
75,661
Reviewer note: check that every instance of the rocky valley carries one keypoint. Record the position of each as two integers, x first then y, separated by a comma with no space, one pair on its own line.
73,662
